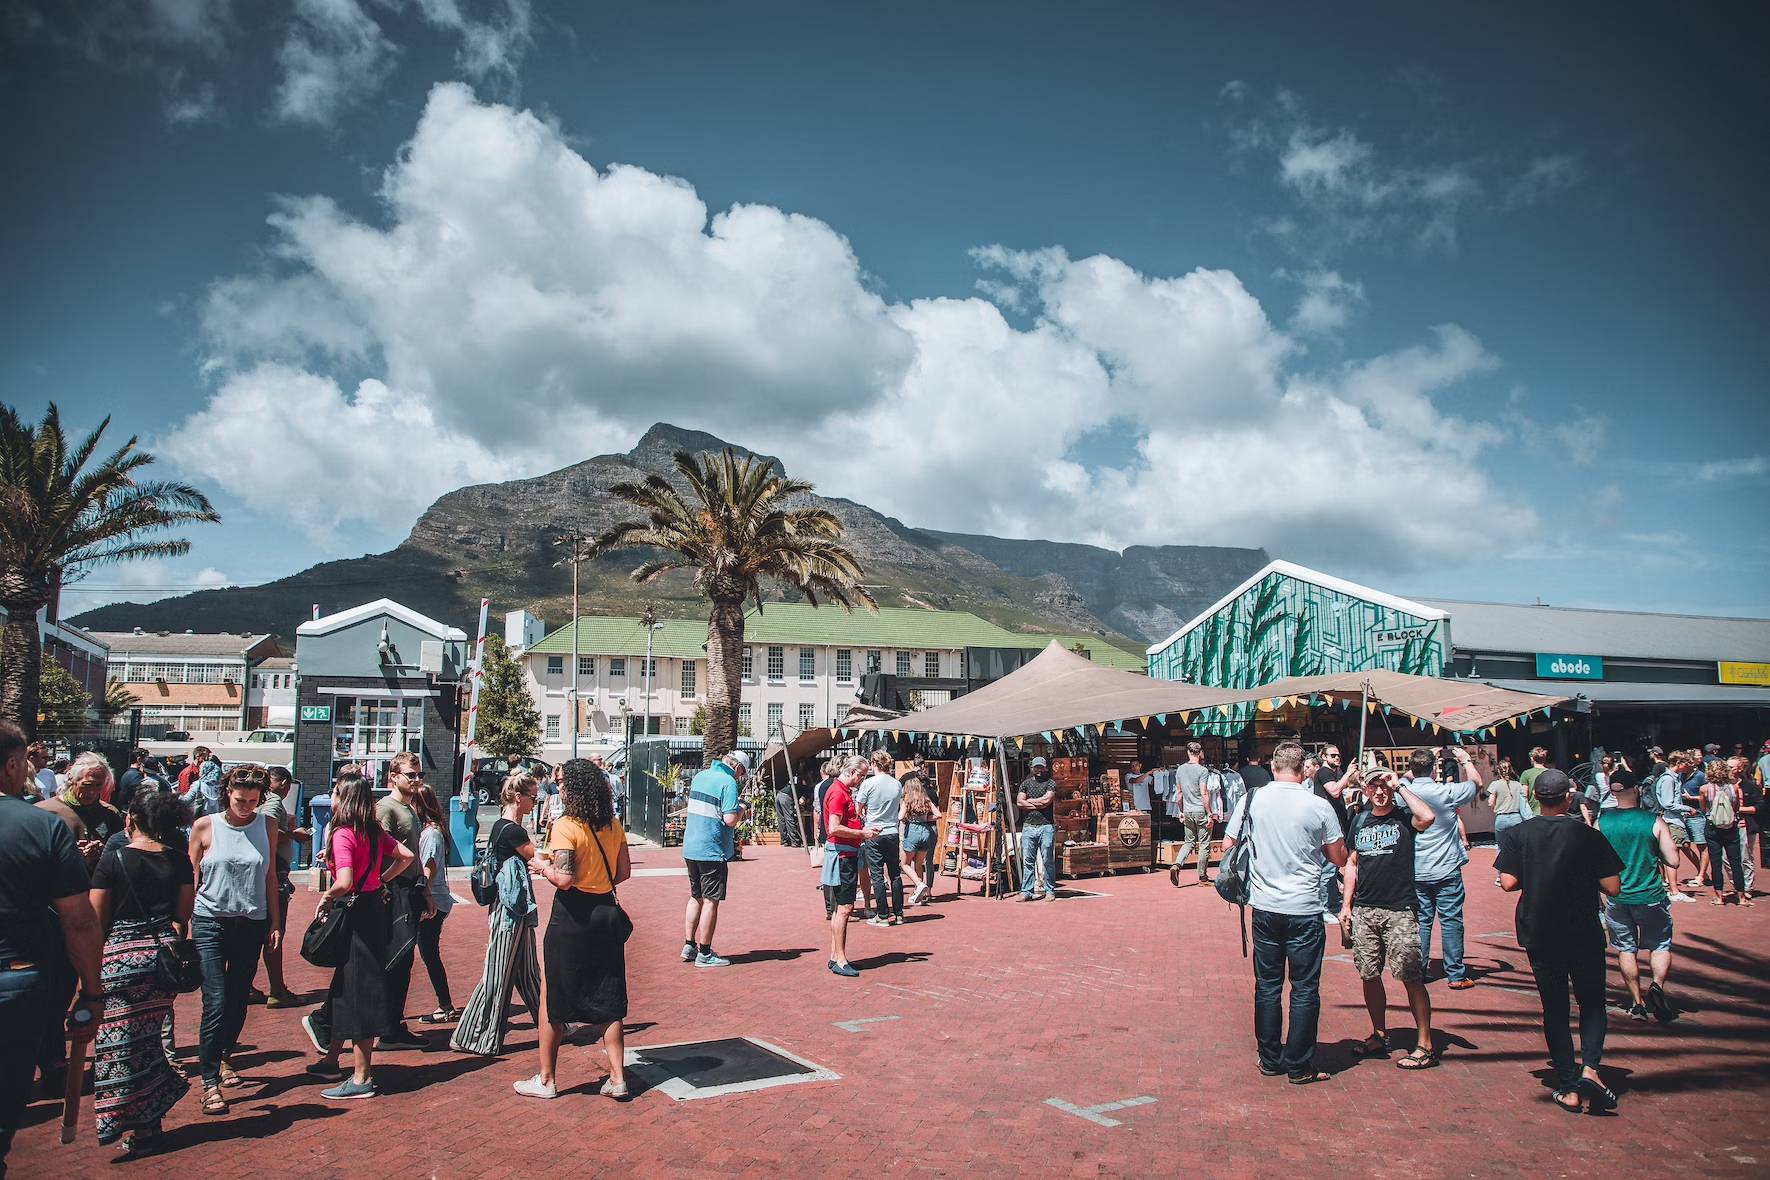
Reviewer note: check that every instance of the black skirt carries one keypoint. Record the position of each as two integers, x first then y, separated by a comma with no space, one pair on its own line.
359,988
585,960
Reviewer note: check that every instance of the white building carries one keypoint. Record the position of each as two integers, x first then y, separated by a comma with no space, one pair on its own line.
270,698
802,667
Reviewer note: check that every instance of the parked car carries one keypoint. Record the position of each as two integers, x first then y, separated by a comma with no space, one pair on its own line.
175,735
489,775
270,735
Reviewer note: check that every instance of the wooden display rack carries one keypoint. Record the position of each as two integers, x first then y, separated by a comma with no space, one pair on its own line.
978,794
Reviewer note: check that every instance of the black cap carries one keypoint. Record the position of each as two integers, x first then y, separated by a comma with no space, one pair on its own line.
1552,786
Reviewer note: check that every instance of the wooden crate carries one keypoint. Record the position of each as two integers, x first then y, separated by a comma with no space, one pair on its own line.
1112,829
1081,860
1167,851
1120,857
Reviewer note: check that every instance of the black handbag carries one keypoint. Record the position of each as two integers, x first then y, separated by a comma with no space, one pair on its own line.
177,965
1236,870
402,930
622,923
327,941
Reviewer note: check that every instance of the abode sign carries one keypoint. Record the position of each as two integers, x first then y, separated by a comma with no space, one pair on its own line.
1560,666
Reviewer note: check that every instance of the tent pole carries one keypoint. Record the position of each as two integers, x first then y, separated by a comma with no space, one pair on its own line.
1364,712
1010,824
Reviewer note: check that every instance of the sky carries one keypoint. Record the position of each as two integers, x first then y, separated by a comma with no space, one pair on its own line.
1460,304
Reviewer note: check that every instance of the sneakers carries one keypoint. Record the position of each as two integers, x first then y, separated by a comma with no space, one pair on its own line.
1049,896
402,1038
1680,895
847,969
876,920
617,1091
1638,1012
327,1073
711,960
350,1088
321,1045
1025,897
689,951
1662,1007
535,1088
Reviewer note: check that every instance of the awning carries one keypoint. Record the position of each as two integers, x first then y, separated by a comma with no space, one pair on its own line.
1060,690
1628,693
815,741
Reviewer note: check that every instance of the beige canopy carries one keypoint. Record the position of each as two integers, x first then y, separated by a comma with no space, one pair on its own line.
1061,690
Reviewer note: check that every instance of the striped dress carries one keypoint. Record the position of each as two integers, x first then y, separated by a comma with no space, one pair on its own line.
133,1083
510,963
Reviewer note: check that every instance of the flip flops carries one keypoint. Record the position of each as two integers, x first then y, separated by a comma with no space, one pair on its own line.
1375,1045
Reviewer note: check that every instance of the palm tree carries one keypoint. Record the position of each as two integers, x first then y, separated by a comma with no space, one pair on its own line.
61,514
735,526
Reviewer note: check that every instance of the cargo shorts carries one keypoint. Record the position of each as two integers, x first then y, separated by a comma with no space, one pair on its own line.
1391,936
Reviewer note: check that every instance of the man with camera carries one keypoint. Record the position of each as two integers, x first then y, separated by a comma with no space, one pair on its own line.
1439,855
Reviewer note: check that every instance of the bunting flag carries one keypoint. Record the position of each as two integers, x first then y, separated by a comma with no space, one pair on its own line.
1371,706
912,735
1185,717
1143,721
1161,718
1100,728
1385,710
1434,727
1020,743
1046,734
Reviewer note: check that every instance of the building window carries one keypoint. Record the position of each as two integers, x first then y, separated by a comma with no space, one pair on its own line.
749,668
586,665
688,678
777,664
617,668
844,666
370,727
682,726
808,663
903,663
774,718
807,715
553,727
875,661
744,721
257,681
556,665
931,664
652,673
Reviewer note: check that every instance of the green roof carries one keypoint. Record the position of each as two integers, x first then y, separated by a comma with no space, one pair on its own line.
893,627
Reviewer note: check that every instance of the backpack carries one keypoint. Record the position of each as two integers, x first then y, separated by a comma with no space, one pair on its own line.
483,877
1649,797
1721,814
1235,871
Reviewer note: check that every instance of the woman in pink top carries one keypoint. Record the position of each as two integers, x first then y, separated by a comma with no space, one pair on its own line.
360,855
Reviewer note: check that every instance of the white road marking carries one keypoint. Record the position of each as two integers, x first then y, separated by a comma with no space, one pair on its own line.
1097,1113
855,1025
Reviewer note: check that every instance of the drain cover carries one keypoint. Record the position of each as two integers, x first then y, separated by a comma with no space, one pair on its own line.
708,1069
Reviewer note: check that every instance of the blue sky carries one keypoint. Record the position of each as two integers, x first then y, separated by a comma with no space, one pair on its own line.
1462,309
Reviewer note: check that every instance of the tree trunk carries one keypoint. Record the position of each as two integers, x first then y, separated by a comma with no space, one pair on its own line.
21,648
725,672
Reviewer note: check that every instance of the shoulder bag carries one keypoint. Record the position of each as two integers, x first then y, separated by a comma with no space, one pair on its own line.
327,941
1235,872
623,923
177,965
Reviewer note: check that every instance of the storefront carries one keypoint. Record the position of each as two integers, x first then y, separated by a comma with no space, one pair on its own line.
374,681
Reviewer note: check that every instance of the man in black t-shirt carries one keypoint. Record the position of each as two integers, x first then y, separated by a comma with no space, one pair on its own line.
1253,774
1381,911
130,781
40,871
1559,866
1329,782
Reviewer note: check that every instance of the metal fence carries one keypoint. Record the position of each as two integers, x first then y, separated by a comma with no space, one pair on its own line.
650,782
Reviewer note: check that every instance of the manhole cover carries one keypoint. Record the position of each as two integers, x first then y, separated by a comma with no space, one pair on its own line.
707,1069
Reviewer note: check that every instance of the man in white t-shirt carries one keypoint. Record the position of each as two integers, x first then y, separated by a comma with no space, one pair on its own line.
1294,833
42,777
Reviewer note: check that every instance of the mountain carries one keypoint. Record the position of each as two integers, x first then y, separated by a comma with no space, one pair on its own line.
496,541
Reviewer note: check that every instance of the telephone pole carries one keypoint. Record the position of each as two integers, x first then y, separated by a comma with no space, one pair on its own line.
576,541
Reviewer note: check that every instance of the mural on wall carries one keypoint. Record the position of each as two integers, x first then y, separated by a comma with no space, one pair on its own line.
1283,626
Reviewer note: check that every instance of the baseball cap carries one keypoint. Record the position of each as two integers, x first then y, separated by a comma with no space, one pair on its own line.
741,758
1040,762
1552,785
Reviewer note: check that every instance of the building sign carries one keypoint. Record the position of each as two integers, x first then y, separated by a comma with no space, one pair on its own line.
316,712
1557,666
1734,672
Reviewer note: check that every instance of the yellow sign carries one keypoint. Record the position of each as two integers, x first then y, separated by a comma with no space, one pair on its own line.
1733,672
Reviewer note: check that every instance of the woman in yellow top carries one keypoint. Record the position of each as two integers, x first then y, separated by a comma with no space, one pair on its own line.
584,954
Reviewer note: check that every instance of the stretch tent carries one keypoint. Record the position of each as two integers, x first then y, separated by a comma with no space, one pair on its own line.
1060,690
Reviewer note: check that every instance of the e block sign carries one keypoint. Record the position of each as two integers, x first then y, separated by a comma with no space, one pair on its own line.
1559,666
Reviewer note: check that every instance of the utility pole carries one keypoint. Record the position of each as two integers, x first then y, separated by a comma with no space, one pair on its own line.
575,540
650,619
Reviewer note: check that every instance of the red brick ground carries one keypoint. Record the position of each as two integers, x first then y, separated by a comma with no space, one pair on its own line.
1002,1006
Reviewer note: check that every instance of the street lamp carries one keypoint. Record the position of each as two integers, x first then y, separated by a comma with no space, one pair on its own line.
574,540
650,619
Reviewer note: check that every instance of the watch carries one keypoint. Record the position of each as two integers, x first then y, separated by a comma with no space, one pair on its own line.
88,998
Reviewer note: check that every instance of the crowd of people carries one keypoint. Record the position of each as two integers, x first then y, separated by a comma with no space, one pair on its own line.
1590,865
117,894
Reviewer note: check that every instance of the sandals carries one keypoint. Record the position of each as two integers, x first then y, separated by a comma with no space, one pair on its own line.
1576,1108
213,1102
441,1016
1602,1097
1311,1078
1375,1045
229,1077
1419,1058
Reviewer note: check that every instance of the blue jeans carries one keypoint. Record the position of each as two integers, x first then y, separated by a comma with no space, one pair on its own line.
1505,822
1295,943
1038,846
26,1007
229,950
1443,900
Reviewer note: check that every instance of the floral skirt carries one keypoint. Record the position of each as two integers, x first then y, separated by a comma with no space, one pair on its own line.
133,1083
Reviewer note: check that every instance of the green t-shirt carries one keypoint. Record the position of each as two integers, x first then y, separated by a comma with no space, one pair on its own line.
1528,778
1630,832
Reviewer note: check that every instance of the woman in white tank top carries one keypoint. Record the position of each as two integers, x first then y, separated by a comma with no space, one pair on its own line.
233,856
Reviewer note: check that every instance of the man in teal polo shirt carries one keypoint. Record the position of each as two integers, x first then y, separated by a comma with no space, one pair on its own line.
709,840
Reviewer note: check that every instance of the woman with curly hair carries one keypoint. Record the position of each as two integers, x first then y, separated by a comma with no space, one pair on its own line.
141,892
584,952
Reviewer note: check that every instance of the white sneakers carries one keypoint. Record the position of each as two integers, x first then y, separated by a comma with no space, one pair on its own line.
535,1088
1680,895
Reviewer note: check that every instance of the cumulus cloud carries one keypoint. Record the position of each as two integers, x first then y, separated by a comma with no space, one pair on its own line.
333,56
1346,190
516,308
1328,302
138,581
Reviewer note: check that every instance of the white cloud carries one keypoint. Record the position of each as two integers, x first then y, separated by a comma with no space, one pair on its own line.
333,56
492,48
518,309
1720,469
1328,302
1545,176
1580,440
138,581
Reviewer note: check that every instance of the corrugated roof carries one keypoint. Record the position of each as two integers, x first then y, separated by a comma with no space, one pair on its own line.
152,643
1419,608
1508,627
893,628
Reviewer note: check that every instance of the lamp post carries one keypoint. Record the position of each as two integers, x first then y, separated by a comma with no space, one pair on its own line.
574,540
650,619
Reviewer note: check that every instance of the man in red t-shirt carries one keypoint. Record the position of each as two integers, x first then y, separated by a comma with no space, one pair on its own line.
843,835
192,769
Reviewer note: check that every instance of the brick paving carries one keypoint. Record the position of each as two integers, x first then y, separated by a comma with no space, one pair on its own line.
1001,1007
